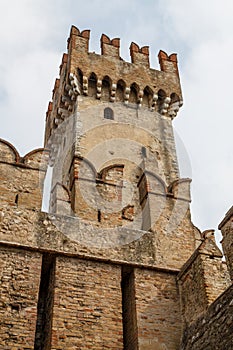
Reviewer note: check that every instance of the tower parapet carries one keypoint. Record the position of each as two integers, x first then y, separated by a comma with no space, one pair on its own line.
110,47
139,55
108,77
168,63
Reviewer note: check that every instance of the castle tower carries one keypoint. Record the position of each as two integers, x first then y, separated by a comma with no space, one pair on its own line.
109,129
116,177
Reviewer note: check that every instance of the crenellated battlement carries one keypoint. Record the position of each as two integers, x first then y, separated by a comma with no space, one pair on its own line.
107,77
139,55
168,63
110,47
78,40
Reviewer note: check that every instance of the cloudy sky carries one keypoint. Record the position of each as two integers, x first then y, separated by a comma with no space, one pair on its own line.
33,36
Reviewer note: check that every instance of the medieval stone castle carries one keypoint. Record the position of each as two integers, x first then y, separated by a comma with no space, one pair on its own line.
116,262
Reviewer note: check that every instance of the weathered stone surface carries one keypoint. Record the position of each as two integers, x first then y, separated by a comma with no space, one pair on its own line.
213,329
20,279
158,310
87,306
201,280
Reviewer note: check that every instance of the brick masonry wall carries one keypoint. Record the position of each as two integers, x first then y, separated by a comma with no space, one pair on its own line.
21,178
87,306
193,294
20,278
129,309
226,227
158,310
214,329
45,303
65,235
202,279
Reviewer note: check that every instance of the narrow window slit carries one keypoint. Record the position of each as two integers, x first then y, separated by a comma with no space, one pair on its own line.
130,331
16,199
45,303
99,215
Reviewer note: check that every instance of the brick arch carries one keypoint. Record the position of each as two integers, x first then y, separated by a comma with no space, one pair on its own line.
92,85
174,97
106,88
8,152
109,184
103,173
134,91
87,167
162,94
120,91
161,97
147,96
37,158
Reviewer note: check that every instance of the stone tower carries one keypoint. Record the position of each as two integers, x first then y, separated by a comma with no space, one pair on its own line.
115,172
116,263
109,130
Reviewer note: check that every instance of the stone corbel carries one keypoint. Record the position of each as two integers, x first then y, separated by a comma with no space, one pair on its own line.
67,102
140,96
99,88
63,113
75,84
126,97
154,101
113,93
165,105
174,109
85,85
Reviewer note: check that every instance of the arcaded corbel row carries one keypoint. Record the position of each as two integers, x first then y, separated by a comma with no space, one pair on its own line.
174,109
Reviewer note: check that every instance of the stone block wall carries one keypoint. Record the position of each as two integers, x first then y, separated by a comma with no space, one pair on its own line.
21,178
158,310
55,301
20,279
202,279
213,329
87,306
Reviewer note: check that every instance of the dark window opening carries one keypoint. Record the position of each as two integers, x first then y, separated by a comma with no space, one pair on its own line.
130,331
45,303
99,215
16,199
108,113
92,85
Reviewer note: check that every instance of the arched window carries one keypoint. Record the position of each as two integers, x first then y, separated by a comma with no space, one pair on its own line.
106,88
133,96
120,91
147,96
92,85
108,113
